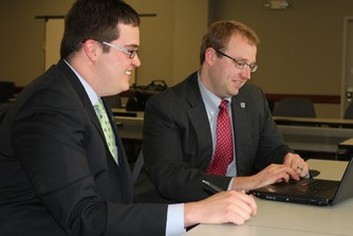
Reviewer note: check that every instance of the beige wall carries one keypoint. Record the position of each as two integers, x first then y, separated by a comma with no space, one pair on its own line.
169,41
300,52
22,37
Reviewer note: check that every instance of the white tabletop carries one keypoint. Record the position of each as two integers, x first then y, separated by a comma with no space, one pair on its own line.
224,230
329,169
281,218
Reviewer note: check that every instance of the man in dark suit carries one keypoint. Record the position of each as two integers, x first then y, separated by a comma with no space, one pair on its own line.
63,170
180,126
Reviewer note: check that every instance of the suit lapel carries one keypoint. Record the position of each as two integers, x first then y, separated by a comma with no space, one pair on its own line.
240,109
198,118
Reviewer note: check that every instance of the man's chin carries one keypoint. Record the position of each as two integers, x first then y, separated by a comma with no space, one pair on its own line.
235,92
124,88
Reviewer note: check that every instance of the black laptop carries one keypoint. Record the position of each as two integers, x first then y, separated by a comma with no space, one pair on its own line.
310,191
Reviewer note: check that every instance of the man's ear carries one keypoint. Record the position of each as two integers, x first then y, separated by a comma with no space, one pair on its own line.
91,48
210,56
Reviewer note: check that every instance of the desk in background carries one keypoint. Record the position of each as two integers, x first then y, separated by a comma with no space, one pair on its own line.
345,150
318,122
130,124
130,127
314,139
290,219
314,134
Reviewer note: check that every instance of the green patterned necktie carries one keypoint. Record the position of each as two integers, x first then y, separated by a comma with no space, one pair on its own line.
107,128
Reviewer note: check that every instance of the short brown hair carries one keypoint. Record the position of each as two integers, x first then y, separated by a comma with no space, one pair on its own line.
95,19
219,34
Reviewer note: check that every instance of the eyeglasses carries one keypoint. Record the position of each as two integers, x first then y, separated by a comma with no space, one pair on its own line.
240,64
130,52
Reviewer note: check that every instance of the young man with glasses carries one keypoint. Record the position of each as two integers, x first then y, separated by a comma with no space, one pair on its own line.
183,147
62,164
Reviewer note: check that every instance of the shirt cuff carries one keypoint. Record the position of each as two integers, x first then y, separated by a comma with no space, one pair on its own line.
230,185
175,220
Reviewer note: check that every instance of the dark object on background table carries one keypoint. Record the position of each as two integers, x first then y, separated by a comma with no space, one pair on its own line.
140,95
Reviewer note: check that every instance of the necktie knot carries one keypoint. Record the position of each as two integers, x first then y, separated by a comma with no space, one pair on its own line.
100,108
223,104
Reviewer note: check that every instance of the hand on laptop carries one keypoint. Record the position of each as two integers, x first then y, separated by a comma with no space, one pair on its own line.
295,162
271,174
293,168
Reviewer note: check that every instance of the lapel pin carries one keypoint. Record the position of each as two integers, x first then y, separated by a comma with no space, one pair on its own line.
242,105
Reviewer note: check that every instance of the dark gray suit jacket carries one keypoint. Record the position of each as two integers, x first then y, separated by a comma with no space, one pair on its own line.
177,144
57,176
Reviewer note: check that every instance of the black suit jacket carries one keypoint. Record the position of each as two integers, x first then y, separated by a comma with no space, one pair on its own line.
57,176
177,145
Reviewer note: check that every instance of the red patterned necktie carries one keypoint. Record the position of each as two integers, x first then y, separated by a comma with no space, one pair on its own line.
223,154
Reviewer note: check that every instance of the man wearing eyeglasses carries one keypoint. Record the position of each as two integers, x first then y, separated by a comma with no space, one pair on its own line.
188,149
62,164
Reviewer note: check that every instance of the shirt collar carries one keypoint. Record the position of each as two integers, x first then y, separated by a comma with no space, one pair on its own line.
211,101
93,97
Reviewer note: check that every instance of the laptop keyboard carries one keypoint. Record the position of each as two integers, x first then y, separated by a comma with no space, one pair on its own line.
308,187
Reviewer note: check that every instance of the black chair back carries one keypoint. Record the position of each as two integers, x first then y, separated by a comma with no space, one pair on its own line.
7,90
295,107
